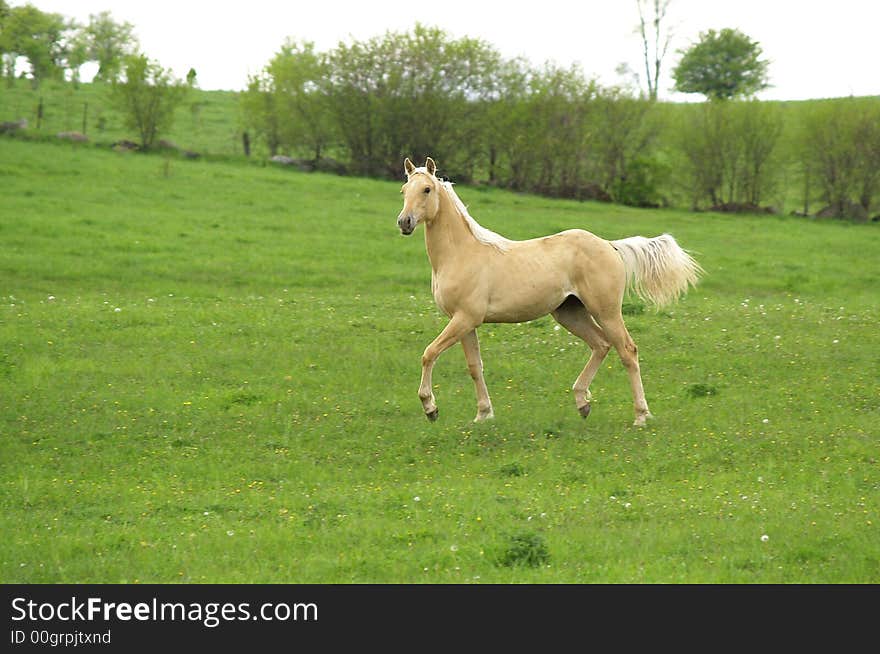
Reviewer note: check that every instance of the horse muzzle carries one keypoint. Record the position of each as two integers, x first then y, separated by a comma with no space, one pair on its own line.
407,224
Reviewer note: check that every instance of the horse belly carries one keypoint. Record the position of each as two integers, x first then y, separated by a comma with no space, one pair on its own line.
532,280
527,300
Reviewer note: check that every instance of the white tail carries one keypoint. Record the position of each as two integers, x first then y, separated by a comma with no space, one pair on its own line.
657,269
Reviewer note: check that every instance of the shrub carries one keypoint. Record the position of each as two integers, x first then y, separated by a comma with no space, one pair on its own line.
147,97
729,148
840,150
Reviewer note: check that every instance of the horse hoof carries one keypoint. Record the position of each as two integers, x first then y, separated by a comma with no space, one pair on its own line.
432,415
642,419
482,417
584,410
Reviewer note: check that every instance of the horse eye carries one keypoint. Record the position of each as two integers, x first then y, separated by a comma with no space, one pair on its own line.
427,189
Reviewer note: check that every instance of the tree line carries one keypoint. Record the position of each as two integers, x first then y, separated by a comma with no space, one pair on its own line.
551,130
54,45
365,105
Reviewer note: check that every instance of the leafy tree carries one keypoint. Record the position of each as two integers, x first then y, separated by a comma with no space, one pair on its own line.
106,42
147,96
722,65
5,55
355,89
259,112
76,54
624,129
39,37
296,72
499,116
285,104
729,149
407,95
841,152
559,108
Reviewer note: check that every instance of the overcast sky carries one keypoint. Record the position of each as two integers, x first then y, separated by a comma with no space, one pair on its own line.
816,49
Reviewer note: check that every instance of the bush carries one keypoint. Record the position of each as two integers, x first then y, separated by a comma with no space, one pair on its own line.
729,149
640,185
622,130
147,97
840,151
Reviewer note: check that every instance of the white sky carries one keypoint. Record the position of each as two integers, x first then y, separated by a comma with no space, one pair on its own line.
816,49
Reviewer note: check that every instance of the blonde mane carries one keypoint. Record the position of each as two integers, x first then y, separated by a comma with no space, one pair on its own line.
483,235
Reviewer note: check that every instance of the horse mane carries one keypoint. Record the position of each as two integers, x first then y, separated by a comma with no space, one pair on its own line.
483,235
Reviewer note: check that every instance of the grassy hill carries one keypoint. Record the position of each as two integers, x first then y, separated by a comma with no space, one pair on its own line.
208,373
207,122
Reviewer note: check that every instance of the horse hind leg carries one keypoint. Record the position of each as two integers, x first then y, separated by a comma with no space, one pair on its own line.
617,333
471,346
575,318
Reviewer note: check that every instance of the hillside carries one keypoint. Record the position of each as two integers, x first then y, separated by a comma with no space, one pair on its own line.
207,122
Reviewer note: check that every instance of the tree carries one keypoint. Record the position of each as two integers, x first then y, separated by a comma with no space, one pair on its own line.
722,65
259,110
408,94
39,37
500,115
5,56
840,145
147,96
729,150
296,72
558,111
655,40
623,130
106,42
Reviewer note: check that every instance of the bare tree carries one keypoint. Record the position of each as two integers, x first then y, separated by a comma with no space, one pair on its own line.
655,39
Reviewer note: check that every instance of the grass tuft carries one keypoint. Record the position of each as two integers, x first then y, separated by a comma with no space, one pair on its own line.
525,549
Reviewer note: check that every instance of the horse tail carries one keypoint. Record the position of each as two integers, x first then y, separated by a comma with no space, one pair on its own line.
657,269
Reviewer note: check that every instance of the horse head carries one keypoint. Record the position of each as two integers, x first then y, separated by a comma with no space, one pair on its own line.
421,202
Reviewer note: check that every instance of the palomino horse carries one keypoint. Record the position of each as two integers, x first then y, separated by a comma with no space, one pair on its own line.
478,276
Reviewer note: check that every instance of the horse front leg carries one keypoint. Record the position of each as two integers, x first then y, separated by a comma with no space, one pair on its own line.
451,334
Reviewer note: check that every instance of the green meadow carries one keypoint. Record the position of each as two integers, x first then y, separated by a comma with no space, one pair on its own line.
208,373
206,122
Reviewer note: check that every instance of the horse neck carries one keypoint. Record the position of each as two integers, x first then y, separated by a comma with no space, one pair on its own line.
447,237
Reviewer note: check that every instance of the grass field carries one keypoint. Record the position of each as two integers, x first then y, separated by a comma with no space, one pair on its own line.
208,373
207,122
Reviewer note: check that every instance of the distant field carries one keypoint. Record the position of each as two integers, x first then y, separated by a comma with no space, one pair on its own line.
207,122
208,373
210,123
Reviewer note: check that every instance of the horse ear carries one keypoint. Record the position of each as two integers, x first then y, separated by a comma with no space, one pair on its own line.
430,165
408,167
